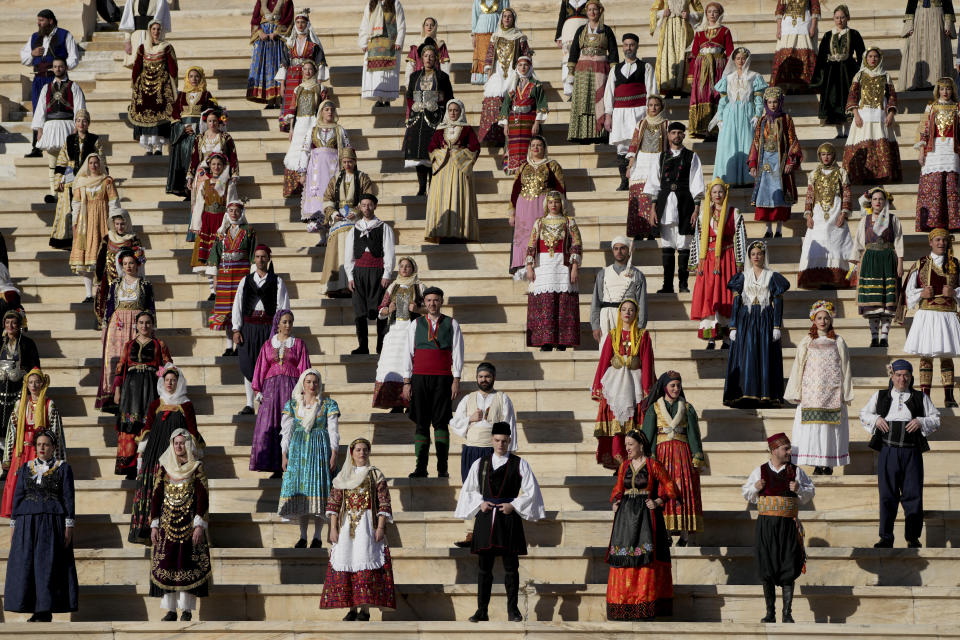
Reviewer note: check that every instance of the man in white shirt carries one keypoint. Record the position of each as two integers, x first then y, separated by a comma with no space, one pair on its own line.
368,261
615,283
473,421
677,188
53,118
500,492
259,297
899,419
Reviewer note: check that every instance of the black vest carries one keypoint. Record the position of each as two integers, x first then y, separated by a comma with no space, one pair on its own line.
499,533
675,178
372,241
60,100
914,404
356,191
140,18
266,293
78,153
638,74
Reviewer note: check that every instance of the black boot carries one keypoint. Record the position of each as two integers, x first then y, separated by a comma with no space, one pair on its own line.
787,603
422,451
484,585
362,346
669,265
382,326
422,174
770,597
34,152
683,261
511,582
622,162
948,396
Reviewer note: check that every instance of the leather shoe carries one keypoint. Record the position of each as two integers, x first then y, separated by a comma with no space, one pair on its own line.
186,616
883,343
50,199
914,544
884,543
351,616
170,617
514,616
480,616
466,542
417,473
301,544
787,618
246,411
316,544
363,616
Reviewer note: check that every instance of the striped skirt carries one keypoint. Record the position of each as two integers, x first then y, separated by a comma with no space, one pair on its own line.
229,275
686,512
264,64
519,132
877,284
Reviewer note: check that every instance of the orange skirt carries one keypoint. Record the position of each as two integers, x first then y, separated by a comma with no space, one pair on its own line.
686,512
640,593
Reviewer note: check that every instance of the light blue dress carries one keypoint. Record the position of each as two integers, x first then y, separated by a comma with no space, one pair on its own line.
481,22
306,482
736,134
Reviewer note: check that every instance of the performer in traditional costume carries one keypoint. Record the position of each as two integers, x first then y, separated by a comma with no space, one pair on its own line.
827,243
154,91
485,18
230,258
428,91
329,141
795,58
41,573
34,414
214,188
73,155
778,488
359,572
270,26
382,31
302,45
18,355
839,58
507,45
211,139
740,107
135,22
933,285
283,358
572,16
899,419
554,254
717,254
10,298
592,52
135,389
119,237
369,260
192,101
430,30
775,154
473,421
172,411
340,210
180,567
53,119
452,201
431,371
712,47
95,200
613,284
878,256
675,20
625,375
648,142
625,101
523,111
309,441
926,53
402,304
300,118
872,154
821,385
535,178
755,364
640,583
938,203
676,188
500,492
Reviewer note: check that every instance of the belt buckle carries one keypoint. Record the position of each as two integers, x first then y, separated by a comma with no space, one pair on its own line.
766,167
673,187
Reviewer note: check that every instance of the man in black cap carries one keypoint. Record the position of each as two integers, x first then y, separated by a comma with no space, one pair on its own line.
677,189
368,260
500,492
431,379
625,101
899,419
42,47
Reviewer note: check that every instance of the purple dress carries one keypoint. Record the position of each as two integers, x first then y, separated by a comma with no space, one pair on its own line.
275,376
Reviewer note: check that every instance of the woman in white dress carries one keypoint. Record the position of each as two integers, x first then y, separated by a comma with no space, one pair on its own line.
827,245
301,117
649,141
402,303
382,31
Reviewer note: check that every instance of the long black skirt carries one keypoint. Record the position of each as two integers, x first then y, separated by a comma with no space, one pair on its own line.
41,573
138,391
416,139
778,550
181,145
639,536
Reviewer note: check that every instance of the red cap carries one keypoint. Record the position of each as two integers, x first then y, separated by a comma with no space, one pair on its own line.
263,247
777,440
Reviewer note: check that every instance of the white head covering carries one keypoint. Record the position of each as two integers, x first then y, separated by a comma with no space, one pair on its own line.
460,122
874,72
225,225
149,46
351,477
168,459
508,34
179,395
881,219
307,31
307,415
739,86
703,25
514,78
625,241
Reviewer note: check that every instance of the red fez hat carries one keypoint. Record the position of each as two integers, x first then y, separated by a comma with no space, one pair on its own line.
263,247
777,440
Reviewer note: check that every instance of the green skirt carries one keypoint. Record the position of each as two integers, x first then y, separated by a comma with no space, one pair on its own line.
878,283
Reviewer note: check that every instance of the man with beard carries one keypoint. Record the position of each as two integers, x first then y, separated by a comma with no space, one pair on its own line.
474,420
53,119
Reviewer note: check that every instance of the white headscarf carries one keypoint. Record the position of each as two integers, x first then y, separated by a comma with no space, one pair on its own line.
179,395
514,78
739,86
625,241
151,47
307,31
881,219
875,71
168,459
225,225
351,477
307,415
703,25
508,34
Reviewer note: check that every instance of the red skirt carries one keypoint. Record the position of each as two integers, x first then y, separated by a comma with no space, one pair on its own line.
519,132
290,83
553,319
640,213
490,131
209,224
710,293
388,395
126,454
16,461
771,214
370,587
611,451
686,512
640,593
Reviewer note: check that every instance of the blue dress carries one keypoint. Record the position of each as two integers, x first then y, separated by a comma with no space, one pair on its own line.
306,482
755,363
736,135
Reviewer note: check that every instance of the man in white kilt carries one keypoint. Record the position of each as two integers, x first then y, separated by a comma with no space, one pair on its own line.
53,119
615,283
625,101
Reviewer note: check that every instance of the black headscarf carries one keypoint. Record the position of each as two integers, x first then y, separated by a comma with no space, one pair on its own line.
660,389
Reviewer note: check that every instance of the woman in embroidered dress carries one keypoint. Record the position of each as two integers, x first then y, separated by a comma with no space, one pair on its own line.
839,58
927,53
33,414
95,200
214,188
640,583
452,200
712,46
180,567
675,19
359,573
537,177
170,412
938,200
795,57
485,19
230,259
827,244
755,364
402,304
717,254
524,110
329,140
120,237
135,389
192,101
428,91
270,25
648,142
382,32
554,254
300,118
774,155
154,91
212,139
18,355
670,423
624,378
41,573
872,153
72,157
822,386
740,107
592,53
430,31
283,358
507,45
303,45
309,441
127,297
878,256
